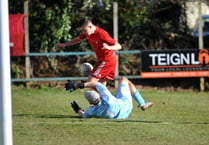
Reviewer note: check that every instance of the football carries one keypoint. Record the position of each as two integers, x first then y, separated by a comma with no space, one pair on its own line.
85,69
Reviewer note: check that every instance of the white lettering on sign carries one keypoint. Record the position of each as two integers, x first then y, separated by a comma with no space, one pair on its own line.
173,59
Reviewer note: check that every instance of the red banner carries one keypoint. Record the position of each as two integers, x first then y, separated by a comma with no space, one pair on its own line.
16,32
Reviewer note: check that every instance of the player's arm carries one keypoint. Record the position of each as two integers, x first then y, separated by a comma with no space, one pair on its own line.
114,47
109,43
103,91
72,86
69,43
80,112
77,108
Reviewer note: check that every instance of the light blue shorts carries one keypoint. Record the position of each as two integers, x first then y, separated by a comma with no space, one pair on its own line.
124,95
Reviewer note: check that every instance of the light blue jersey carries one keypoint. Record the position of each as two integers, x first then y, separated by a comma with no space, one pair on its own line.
111,106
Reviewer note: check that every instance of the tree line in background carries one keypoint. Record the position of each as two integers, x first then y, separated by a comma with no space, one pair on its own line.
143,25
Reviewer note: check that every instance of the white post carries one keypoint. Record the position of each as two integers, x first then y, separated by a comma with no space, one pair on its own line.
27,42
115,35
5,78
201,43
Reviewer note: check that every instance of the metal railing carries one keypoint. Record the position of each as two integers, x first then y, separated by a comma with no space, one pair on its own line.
70,54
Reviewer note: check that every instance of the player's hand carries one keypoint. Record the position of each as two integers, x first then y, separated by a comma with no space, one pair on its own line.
106,46
75,106
59,45
72,86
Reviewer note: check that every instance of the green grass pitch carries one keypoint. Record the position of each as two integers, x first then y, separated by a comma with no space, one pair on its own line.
44,117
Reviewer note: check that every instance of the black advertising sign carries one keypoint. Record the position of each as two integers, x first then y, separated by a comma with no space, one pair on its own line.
175,63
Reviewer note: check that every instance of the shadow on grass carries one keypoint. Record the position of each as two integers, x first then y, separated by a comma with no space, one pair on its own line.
161,122
45,116
48,116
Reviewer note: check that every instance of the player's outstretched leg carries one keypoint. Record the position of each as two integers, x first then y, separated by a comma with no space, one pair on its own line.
136,95
138,98
146,106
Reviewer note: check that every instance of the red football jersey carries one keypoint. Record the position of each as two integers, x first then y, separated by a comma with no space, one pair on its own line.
96,40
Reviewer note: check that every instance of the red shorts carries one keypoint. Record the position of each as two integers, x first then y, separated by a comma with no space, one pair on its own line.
105,69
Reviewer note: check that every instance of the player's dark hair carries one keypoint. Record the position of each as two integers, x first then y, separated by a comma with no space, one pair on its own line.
83,22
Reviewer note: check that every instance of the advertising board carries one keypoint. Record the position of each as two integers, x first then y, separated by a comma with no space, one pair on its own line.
175,63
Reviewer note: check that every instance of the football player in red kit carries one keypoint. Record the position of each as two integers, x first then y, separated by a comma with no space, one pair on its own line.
103,46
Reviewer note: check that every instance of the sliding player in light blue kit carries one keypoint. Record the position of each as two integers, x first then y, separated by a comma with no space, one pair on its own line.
104,104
